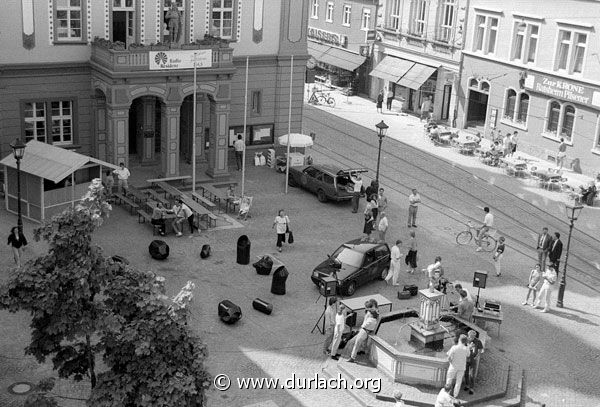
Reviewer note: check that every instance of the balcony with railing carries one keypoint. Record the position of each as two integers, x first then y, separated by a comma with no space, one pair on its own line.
116,57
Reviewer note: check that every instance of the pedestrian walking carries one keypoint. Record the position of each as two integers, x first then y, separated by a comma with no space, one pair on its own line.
380,102
561,154
411,256
123,175
532,284
338,331
457,356
109,183
394,271
544,242
357,187
282,225
488,222
414,199
555,252
17,242
239,145
426,108
545,294
498,255
329,316
475,348
382,226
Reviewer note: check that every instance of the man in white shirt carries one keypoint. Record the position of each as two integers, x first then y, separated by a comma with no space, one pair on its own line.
239,146
368,327
413,201
123,175
383,225
549,278
358,183
488,222
395,257
457,356
338,330
329,316
444,398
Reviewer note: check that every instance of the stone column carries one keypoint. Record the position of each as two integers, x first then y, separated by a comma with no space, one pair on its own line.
100,128
169,142
118,134
217,158
148,130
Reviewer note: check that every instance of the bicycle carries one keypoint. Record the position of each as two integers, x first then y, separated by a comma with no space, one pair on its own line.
488,242
326,99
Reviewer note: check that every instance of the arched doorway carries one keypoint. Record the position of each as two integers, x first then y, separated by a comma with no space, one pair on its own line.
204,123
145,130
479,92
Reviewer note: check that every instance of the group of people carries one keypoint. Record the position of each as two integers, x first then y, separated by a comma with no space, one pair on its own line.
182,213
123,175
464,359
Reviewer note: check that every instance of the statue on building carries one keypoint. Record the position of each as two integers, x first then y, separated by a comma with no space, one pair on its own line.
174,23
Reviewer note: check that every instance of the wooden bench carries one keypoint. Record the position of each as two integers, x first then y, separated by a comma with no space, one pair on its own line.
202,200
144,216
200,211
137,194
214,194
123,199
169,189
156,196
181,178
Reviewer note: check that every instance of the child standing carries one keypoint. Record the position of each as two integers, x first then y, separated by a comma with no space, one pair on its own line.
534,279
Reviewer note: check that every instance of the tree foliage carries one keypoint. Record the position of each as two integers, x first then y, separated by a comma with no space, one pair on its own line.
84,305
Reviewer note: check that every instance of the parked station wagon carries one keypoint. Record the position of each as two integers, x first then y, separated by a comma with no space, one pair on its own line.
326,181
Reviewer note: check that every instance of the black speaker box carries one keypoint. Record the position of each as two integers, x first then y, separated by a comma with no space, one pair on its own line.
479,279
262,306
229,312
413,289
404,295
205,252
159,249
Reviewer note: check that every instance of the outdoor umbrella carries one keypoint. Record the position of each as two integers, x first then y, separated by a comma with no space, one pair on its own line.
295,140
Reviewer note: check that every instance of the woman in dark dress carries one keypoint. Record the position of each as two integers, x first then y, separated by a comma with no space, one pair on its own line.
16,240
368,227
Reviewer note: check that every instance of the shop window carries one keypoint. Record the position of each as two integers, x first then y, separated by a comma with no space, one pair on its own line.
570,51
346,16
524,46
314,9
395,15
486,31
419,17
560,121
256,134
222,21
256,102
446,13
55,115
366,19
69,20
329,12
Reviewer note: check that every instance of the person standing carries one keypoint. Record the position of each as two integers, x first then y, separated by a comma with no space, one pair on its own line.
123,175
368,327
545,294
543,247
532,285
394,271
498,256
411,256
338,331
507,145
189,215
358,183
382,201
425,109
329,316
239,145
380,102
389,99
457,356
475,350
514,142
465,308
561,154
555,252
369,220
414,199
282,225
109,183
382,226
17,241
488,222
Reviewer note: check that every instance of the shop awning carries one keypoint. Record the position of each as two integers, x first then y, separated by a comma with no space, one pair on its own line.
391,69
342,59
316,50
416,76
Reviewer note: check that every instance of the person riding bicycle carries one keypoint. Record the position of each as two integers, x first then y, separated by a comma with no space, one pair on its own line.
488,222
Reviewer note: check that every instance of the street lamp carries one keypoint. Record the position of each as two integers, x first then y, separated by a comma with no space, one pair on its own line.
381,131
573,211
18,151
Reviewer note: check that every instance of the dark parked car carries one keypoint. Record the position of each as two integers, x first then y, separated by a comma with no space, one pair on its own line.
355,263
326,181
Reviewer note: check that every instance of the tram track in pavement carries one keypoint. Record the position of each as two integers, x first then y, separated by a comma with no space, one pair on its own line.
509,210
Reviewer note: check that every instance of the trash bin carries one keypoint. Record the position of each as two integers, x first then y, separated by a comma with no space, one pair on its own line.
243,250
279,277
229,312
159,249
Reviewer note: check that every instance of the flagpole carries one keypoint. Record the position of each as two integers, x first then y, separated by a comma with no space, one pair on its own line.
287,165
194,133
244,137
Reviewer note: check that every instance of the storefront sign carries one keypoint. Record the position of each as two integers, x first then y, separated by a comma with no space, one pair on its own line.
326,37
180,59
562,89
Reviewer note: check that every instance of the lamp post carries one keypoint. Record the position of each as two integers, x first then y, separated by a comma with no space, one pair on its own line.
573,211
381,131
18,151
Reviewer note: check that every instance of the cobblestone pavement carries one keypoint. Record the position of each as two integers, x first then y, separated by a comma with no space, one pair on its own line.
559,350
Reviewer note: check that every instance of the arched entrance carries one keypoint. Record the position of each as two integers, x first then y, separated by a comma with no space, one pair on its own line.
204,107
144,130
477,102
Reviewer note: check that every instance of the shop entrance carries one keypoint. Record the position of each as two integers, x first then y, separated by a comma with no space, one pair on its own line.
477,110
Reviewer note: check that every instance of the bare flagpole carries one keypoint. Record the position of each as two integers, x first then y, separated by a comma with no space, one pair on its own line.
194,132
244,136
287,166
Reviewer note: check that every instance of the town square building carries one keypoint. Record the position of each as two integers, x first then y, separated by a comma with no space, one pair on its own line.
114,79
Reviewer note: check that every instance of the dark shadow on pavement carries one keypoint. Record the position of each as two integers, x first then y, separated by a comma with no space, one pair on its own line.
572,317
